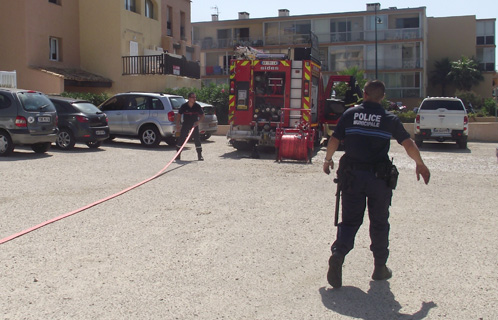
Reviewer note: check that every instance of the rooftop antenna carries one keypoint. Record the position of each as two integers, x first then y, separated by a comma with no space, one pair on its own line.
216,8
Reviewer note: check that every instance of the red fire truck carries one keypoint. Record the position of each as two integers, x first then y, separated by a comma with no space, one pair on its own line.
278,102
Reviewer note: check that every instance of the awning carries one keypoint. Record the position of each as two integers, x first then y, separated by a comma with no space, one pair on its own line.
77,77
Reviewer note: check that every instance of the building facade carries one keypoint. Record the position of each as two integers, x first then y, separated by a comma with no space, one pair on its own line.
98,46
397,46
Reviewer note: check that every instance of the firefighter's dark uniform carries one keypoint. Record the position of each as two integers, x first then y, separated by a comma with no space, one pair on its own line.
190,116
366,130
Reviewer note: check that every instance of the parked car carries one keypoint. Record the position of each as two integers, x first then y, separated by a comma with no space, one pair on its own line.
148,116
209,125
442,119
79,121
26,118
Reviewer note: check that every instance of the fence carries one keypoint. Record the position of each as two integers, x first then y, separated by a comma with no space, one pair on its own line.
160,64
8,79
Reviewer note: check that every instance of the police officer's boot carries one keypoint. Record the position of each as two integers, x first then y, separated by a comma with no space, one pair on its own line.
199,154
179,154
334,275
382,272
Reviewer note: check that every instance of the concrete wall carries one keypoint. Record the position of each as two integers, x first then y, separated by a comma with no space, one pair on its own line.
478,131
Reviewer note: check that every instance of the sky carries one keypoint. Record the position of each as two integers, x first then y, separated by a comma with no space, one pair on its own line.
229,9
201,10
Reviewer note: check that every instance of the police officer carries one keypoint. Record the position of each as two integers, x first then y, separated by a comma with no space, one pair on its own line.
192,115
366,130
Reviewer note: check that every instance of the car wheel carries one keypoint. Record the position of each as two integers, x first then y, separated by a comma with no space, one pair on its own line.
41,147
65,139
462,143
205,136
242,145
94,144
419,142
171,141
6,145
150,137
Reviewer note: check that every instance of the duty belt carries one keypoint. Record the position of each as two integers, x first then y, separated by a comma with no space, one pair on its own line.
362,166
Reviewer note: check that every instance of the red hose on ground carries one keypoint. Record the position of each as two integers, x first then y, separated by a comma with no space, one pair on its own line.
4,240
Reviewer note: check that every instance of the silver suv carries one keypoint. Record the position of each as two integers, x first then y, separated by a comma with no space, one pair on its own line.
148,116
26,118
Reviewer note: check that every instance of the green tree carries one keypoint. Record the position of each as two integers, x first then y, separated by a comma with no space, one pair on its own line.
440,74
465,73
341,87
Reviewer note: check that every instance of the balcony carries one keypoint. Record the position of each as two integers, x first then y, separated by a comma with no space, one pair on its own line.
363,36
160,65
210,43
303,39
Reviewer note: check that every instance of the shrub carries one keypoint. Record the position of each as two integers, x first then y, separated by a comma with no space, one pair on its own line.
489,107
217,95
406,116
469,97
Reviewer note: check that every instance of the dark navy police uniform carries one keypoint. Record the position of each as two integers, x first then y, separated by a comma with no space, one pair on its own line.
190,116
366,131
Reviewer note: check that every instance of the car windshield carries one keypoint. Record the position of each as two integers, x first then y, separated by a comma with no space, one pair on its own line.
35,101
86,107
176,102
445,104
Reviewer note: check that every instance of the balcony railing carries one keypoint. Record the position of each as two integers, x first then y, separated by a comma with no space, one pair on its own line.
339,65
160,64
8,79
333,37
369,64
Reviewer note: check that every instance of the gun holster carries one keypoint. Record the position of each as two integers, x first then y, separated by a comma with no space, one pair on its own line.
388,172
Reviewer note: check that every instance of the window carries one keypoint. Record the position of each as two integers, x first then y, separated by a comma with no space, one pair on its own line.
224,37
4,102
54,44
130,5
486,57
182,26
115,103
149,9
485,32
169,21
242,34
62,107
157,104
404,23
55,1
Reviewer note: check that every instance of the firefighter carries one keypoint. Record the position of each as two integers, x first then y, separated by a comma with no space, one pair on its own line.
192,115
367,177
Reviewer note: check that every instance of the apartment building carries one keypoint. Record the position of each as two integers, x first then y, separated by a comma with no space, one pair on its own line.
98,46
396,45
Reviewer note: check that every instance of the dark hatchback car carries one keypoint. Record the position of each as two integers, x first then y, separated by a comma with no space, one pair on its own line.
79,121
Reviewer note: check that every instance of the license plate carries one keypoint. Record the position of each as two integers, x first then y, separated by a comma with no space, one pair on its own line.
212,124
440,130
43,119
100,132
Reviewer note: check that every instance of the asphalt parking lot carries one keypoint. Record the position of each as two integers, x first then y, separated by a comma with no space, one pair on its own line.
239,238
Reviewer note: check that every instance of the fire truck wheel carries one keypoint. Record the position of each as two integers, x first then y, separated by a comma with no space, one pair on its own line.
242,145
318,138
